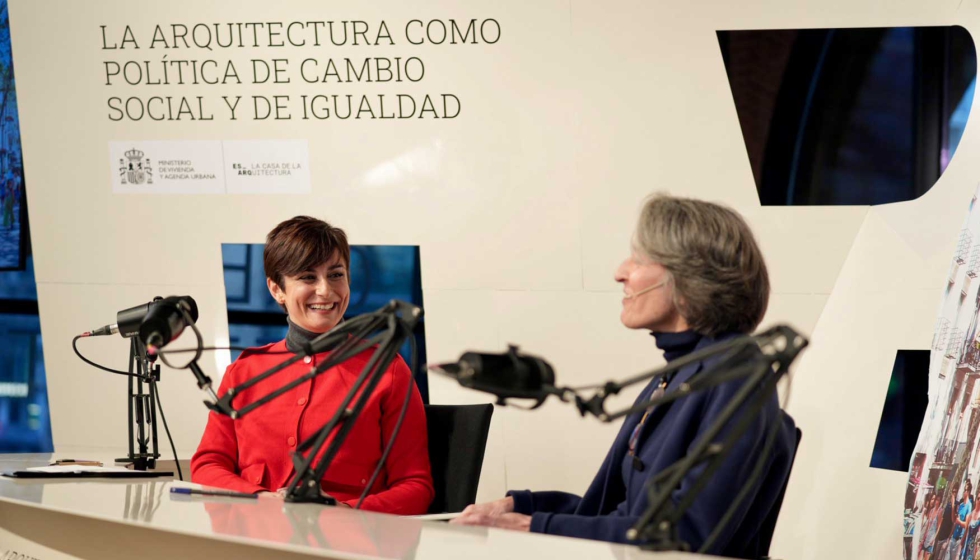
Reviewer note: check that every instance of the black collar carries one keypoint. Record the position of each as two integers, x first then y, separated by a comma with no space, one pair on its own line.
297,338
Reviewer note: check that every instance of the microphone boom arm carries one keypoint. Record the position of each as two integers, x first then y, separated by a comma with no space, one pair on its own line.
388,328
761,360
596,404
777,348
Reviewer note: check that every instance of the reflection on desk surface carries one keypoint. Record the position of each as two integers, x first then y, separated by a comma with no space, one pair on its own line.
143,500
309,529
333,528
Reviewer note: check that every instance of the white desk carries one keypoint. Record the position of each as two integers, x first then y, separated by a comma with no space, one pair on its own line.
139,519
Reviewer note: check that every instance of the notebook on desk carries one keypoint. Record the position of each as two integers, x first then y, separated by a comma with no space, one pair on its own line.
436,516
83,471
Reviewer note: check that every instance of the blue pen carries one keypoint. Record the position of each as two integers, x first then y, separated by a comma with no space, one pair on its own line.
225,493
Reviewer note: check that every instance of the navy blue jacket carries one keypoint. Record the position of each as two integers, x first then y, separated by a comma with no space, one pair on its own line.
617,496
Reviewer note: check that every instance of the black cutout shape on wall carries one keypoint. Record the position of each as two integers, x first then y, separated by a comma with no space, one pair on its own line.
849,116
903,412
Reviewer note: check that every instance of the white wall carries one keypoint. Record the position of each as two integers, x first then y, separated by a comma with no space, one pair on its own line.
522,206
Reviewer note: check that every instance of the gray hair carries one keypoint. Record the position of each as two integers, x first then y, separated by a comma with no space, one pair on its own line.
719,276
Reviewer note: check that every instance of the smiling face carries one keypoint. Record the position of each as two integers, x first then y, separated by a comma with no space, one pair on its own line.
648,301
316,299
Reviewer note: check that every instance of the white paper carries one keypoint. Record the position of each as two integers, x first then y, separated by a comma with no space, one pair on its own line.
437,516
77,468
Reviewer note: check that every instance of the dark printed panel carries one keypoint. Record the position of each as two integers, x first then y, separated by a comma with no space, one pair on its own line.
903,411
849,116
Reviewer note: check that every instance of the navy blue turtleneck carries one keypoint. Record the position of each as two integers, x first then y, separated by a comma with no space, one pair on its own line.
617,498
676,344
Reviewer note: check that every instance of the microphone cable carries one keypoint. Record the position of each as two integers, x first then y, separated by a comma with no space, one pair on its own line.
398,423
198,348
150,380
197,354
213,348
173,448
74,345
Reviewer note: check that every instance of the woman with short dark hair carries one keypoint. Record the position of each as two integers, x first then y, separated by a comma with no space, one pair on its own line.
695,277
307,264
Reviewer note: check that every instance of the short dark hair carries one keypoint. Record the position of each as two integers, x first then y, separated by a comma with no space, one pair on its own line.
300,244
720,279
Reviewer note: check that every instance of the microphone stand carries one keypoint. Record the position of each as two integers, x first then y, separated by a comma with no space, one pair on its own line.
388,328
761,360
143,447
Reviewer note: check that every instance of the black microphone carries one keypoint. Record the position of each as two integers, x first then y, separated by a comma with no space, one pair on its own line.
507,375
127,321
165,320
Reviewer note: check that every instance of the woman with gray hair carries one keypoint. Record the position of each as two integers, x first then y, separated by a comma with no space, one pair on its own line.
695,277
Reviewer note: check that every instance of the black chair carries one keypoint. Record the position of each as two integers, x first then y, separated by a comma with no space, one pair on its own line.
457,441
769,524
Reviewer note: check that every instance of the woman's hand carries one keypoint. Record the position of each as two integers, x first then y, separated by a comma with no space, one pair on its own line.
499,513
492,509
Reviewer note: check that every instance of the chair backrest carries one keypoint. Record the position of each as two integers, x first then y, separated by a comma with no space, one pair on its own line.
457,441
769,524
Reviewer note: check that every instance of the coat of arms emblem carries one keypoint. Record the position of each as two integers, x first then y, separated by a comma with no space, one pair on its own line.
134,169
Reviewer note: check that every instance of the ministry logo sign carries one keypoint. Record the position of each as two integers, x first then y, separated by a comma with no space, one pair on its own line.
209,166
134,169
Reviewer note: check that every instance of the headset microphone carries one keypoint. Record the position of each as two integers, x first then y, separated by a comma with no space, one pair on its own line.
648,289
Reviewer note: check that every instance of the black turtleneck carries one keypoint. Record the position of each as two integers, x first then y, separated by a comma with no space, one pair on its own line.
297,337
676,344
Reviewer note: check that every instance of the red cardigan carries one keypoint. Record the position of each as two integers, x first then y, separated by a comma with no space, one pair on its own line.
253,453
